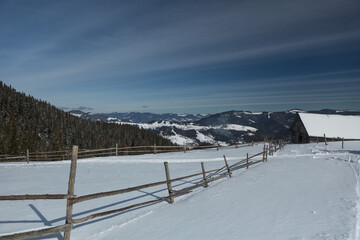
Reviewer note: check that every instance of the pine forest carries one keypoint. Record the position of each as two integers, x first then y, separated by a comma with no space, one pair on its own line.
28,123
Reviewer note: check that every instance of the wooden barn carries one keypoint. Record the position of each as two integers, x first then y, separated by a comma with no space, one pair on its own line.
310,127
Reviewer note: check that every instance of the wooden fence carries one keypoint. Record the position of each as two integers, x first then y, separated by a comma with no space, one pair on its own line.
208,176
106,152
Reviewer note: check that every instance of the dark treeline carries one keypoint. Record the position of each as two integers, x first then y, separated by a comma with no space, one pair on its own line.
27,123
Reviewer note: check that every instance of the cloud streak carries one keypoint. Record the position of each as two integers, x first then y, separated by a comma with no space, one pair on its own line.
121,49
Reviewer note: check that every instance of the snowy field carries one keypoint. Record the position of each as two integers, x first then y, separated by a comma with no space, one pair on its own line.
306,191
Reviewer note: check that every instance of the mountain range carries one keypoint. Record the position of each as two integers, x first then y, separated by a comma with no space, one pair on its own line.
200,129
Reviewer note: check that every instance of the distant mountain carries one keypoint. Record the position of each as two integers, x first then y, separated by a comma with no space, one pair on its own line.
225,128
28,123
137,117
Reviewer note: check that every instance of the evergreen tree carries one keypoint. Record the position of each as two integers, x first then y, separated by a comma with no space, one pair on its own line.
27,123
14,140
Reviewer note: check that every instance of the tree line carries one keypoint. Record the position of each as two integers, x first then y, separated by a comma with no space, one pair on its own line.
28,123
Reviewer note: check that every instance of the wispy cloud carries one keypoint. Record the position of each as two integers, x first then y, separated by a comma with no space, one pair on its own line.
123,47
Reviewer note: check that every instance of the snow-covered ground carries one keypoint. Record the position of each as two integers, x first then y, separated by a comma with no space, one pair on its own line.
201,136
303,192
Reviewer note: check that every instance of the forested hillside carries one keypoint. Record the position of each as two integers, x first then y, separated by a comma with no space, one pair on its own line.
27,123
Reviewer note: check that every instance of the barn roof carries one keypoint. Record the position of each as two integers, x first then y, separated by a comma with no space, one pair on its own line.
333,126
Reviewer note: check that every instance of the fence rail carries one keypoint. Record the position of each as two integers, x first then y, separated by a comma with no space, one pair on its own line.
207,177
37,232
113,151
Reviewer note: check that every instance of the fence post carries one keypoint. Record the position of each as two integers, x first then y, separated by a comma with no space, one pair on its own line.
266,153
227,166
325,139
184,147
204,175
217,146
69,204
27,156
117,149
252,142
171,197
154,148
342,143
247,160
270,148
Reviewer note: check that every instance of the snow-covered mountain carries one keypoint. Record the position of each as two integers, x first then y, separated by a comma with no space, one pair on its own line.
138,117
225,128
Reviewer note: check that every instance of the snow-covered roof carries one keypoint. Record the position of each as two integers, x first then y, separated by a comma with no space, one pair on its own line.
333,126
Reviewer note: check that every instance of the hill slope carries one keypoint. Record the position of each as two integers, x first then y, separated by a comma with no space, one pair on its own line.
28,123
225,128
305,191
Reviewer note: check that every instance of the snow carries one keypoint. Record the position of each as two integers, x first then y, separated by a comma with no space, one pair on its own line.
295,111
76,114
308,191
333,126
253,113
191,126
179,140
238,127
204,138
112,119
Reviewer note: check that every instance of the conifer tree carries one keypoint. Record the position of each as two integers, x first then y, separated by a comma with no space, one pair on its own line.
28,123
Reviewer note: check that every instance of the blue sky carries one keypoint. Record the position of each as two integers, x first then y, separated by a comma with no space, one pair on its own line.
183,56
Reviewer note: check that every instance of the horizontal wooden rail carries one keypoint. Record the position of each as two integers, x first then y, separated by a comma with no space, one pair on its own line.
237,163
72,199
36,232
198,149
62,151
137,151
47,159
238,167
96,154
208,146
135,147
125,190
12,158
255,162
218,170
48,156
188,189
49,153
175,147
66,154
34,197
166,151
258,154
84,219
216,178
96,150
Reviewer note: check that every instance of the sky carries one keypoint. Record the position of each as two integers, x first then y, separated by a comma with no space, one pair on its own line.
183,56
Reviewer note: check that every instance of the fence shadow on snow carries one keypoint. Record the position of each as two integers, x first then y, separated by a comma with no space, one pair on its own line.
173,188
